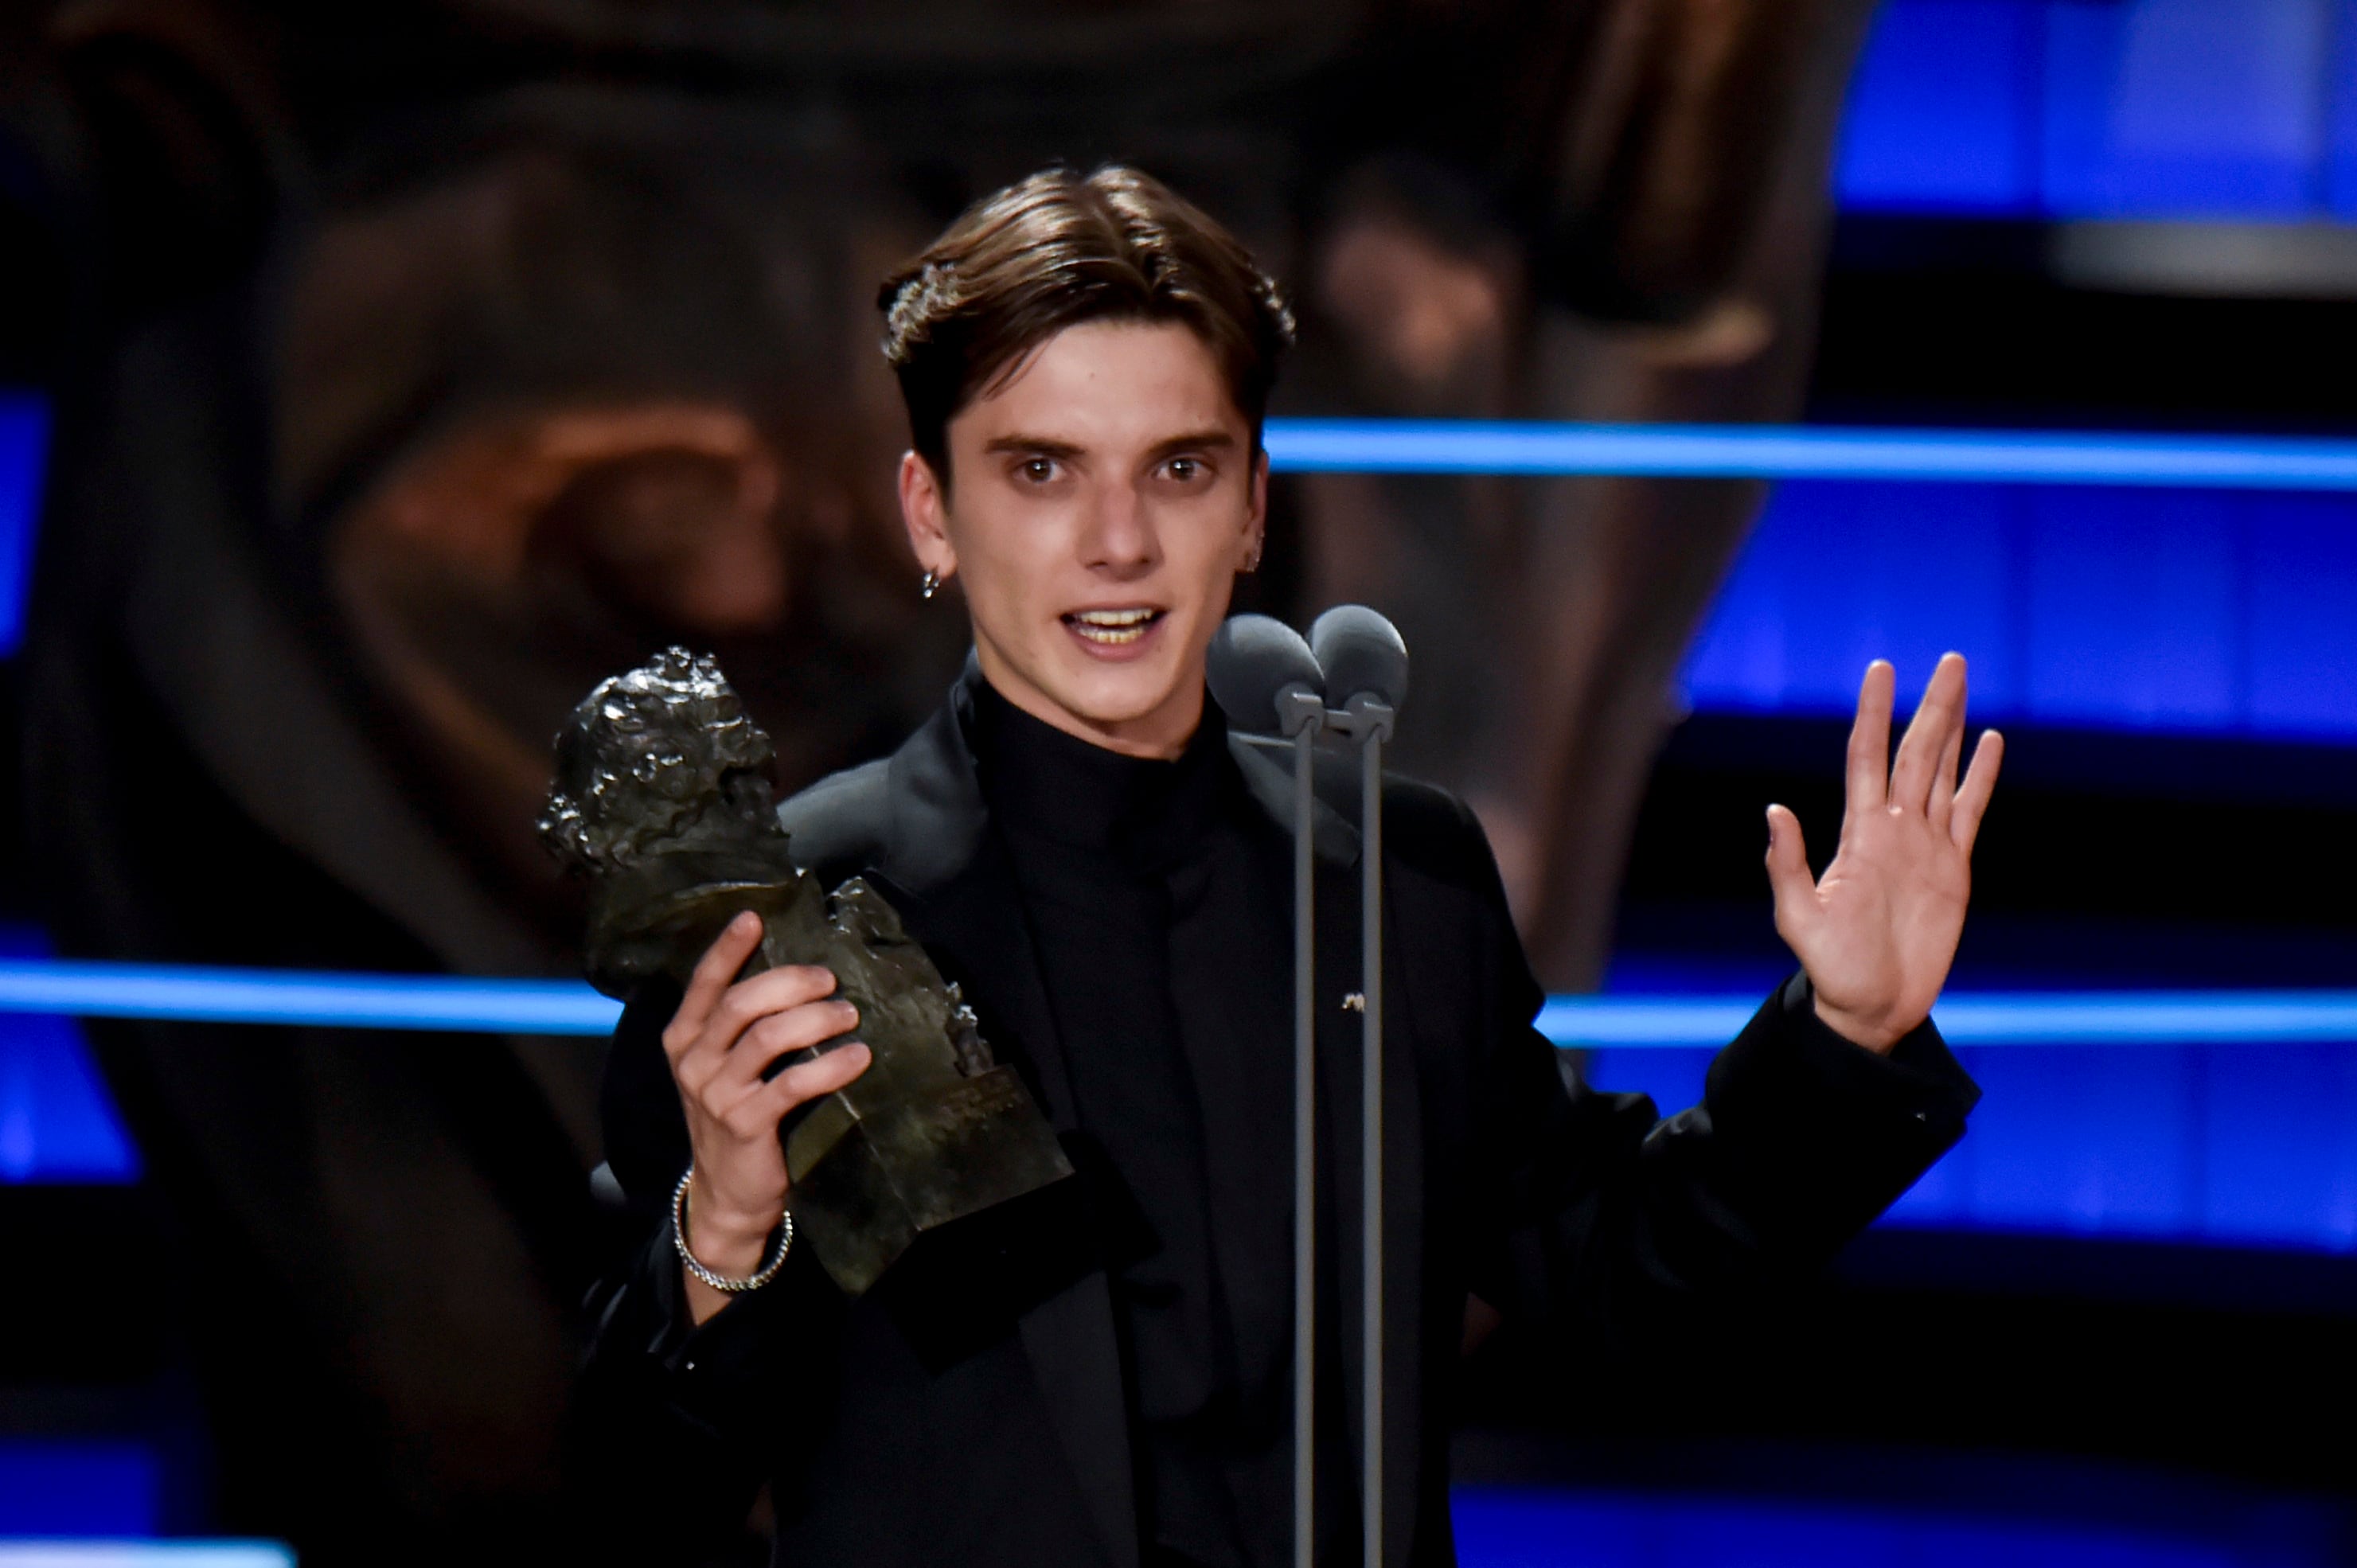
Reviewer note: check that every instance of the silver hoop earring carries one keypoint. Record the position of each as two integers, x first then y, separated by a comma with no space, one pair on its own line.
931,586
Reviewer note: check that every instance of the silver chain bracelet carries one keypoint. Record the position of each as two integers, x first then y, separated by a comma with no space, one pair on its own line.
769,1270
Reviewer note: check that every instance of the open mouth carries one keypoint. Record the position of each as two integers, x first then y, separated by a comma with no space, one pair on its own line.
1113,629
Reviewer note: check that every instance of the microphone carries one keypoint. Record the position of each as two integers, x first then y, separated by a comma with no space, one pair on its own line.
1363,655
1264,676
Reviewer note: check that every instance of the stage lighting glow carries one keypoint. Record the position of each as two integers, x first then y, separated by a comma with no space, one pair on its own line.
1795,452
143,1554
24,449
424,1002
2061,110
2085,1132
1989,1019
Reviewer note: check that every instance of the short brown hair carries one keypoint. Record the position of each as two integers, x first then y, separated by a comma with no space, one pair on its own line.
1058,248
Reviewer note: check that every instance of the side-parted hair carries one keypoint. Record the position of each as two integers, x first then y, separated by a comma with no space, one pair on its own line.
1052,251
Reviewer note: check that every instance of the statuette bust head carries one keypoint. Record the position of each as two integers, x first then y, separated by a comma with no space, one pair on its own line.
663,755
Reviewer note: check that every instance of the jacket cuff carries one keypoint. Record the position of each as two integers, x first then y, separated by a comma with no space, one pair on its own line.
1825,1132
1918,1078
707,1371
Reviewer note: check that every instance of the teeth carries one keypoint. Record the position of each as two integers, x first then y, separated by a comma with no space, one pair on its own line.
1111,628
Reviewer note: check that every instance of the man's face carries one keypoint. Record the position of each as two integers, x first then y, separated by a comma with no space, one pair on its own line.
1106,497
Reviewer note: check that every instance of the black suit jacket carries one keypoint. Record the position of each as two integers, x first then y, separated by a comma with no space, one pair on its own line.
887,1444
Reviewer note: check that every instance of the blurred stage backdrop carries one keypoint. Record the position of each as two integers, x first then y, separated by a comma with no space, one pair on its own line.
375,378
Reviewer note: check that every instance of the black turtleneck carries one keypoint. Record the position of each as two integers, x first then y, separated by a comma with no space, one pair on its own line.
1158,902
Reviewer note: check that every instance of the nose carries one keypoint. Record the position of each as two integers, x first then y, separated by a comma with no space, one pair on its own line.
1119,538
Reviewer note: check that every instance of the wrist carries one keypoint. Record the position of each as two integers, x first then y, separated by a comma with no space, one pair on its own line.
722,1235
711,1280
1864,1033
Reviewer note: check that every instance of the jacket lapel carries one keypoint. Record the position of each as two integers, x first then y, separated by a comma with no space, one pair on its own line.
944,872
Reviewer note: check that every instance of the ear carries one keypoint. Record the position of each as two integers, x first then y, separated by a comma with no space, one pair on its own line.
924,511
1256,507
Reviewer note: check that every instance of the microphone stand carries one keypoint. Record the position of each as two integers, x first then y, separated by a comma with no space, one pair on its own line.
1367,721
1303,714
1248,655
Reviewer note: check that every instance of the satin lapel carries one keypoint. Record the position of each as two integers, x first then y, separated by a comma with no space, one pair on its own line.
973,928
1077,1360
951,882
1267,770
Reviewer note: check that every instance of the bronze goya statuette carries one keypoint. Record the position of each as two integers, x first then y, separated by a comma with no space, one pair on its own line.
663,801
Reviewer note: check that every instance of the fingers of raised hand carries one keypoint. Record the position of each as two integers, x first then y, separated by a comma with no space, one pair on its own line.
1869,739
1788,870
709,983
1973,795
1943,781
1941,713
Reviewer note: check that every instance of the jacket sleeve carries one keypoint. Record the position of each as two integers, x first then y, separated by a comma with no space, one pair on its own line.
675,1426
1595,1213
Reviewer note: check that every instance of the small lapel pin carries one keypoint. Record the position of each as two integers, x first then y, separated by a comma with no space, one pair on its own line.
1354,1002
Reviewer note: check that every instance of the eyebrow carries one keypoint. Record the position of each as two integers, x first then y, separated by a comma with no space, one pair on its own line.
1047,446
1041,445
1213,437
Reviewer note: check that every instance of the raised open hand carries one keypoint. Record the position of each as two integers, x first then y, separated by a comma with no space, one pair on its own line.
1877,931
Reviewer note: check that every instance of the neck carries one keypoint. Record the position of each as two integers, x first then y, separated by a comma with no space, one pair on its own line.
1160,734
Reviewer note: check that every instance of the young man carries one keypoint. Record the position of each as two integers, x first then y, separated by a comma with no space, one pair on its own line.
1075,838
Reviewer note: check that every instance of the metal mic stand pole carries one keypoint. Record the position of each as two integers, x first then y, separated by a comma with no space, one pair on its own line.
1304,714
1367,722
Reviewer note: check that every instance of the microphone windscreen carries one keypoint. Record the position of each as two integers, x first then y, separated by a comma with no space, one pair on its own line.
1252,659
1359,652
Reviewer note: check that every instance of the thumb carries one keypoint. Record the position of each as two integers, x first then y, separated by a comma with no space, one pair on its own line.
1788,870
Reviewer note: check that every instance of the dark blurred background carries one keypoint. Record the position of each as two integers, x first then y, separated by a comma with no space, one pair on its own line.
373,381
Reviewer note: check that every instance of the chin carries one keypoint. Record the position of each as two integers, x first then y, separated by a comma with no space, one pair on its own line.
1110,700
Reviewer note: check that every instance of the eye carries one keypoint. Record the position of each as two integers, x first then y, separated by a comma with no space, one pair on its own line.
1185,470
1036,470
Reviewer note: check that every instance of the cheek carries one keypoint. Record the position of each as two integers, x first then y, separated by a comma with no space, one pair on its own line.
1208,541
1003,559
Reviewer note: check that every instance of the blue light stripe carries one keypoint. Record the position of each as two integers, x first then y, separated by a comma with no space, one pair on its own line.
429,1002
1989,1019
98,990
1797,452
67,1553
24,449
